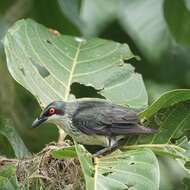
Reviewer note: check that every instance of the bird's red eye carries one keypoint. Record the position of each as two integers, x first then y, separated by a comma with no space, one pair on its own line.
51,111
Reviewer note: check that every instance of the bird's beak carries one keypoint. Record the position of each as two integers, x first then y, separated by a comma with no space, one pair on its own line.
38,121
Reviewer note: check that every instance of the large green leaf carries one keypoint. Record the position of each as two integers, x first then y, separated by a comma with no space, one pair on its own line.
177,16
48,64
135,169
8,131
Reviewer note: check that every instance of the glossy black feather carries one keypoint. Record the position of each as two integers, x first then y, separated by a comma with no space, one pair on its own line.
102,118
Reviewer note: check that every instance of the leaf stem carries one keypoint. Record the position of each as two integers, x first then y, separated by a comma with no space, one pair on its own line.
154,146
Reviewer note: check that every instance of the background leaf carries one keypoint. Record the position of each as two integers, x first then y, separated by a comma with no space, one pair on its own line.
71,9
97,15
177,16
7,130
149,30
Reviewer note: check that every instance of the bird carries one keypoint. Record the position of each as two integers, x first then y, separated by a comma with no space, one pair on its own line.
93,121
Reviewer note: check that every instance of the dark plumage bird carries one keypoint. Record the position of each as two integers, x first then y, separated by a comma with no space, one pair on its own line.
94,121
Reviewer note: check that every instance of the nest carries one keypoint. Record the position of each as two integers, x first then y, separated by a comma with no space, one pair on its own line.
46,172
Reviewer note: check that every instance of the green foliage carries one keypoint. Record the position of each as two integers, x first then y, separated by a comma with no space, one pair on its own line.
170,115
43,57
166,100
48,65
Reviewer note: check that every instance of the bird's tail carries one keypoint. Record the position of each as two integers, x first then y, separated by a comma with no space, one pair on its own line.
145,130
135,130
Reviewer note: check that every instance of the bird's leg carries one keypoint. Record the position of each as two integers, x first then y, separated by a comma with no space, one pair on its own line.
112,146
62,136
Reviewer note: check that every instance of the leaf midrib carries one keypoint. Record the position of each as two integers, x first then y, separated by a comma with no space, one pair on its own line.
72,72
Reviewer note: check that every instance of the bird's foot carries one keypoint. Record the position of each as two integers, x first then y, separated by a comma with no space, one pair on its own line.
105,151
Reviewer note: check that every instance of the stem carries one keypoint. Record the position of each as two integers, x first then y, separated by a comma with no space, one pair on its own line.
172,155
154,146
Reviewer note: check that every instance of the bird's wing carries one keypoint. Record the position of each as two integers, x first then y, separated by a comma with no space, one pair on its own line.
107,119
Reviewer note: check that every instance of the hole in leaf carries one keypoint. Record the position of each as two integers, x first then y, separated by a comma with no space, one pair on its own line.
132,163
41,69
92,173
107,173
49,42
81,91
22,70
132,60
129,187
173,140
177,140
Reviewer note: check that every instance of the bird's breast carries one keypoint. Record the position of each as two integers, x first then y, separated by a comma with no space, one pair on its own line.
81,137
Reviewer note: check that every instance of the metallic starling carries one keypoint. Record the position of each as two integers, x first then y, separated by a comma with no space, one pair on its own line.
94,121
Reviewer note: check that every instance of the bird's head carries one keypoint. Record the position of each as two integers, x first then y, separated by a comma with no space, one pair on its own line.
52,113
